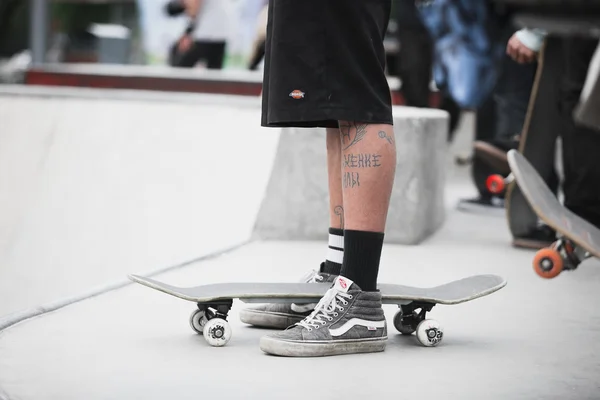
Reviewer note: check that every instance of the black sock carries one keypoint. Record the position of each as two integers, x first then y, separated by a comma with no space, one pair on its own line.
362,252
335,252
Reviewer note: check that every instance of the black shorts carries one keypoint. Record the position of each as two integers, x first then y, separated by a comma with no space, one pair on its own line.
325,62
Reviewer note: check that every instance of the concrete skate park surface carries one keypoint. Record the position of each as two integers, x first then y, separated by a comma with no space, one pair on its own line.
534,339
96,183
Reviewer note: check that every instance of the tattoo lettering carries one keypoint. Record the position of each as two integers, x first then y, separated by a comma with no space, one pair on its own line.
350,180
362,160
352,134
384,135
339,211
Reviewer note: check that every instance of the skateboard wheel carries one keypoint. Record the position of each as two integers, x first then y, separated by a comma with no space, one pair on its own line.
401,327
197,321
548,263
429,333
217,332
495,184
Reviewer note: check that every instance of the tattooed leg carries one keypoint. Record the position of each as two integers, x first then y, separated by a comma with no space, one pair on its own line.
368,170
335,248
334,159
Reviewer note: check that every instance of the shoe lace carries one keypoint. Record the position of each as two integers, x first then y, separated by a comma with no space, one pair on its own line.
326,309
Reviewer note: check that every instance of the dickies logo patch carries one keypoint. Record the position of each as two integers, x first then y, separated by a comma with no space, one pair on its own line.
297,94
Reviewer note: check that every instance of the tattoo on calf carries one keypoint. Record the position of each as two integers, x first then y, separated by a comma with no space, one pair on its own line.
384,135
352,133
350,180
339,211
362,160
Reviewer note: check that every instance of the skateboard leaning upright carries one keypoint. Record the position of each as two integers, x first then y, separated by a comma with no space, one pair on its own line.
214,301
537,143
578,239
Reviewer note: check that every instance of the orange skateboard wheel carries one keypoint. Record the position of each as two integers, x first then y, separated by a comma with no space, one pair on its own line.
495,183
548,263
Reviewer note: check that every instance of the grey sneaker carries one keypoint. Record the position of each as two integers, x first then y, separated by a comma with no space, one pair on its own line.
280,316
346,320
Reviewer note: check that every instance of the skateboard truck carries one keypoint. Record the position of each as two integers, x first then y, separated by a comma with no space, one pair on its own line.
561,255
411,318
496,183
210,320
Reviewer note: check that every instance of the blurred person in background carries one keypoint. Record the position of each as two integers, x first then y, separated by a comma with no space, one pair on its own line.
414,62
580,144
206,35
502,117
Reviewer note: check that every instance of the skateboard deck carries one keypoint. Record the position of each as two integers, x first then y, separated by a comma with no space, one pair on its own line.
546,205
454,292
538,139
214,301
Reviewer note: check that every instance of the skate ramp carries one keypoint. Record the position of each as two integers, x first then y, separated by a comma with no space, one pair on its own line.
95,184
530,340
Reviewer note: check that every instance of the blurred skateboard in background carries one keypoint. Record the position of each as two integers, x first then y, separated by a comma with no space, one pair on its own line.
578,239
489,162
537,144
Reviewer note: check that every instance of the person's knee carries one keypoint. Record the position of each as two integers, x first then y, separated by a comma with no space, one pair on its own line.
353,132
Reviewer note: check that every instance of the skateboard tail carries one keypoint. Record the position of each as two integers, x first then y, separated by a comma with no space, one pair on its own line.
160,286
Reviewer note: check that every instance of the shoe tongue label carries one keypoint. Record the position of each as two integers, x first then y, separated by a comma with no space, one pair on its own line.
342,284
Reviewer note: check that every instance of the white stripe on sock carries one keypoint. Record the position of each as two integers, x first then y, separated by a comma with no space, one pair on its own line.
336,256
336,241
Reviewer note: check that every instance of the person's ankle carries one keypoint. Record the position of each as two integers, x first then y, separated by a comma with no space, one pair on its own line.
362,253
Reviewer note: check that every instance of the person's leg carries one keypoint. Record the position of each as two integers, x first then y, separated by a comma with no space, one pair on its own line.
368,169
581,145
414,65
215,55
276,67
341,76
283,315
510,101
335,251
511,98
190,58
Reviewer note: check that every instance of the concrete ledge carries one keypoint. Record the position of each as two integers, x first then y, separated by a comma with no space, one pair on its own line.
295,206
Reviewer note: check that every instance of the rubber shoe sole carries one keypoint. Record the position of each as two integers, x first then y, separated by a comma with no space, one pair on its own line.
270,320
321,348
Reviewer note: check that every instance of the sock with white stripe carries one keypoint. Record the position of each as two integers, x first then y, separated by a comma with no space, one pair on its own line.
335,252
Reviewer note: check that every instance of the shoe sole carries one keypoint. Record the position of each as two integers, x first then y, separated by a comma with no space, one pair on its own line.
264,319
291,348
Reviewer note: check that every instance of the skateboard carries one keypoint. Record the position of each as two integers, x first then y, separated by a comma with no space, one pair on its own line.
498,170
537,142
578,239
214,302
